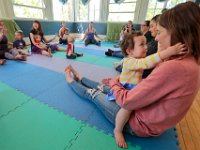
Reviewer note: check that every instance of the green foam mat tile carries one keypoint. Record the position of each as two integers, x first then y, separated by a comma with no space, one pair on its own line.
35,126
3,87
85,58
92,59
60,54
91,139
106,61
10,99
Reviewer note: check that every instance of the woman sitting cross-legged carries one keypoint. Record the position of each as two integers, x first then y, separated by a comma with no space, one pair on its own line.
90,34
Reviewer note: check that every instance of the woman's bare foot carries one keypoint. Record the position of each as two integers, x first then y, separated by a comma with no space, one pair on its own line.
77,76
120,139
68,74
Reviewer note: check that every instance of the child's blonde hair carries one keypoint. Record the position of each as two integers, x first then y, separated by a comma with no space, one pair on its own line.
128,42
20,32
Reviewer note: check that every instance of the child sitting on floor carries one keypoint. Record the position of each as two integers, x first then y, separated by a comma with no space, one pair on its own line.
65,36
70,53
7,52
64,31
134,48
20,44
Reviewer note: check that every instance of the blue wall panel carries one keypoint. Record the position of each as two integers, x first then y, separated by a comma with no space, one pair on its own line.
52,27
82,26
49,27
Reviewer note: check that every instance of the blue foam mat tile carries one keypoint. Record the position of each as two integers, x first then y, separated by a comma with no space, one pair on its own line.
62,98
12,69
100,122
166,141
35,81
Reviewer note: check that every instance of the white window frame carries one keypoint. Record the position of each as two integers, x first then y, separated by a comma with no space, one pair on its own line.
134,12
76,13
47,15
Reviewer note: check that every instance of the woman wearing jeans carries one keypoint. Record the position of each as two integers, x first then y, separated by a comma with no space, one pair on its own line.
161,100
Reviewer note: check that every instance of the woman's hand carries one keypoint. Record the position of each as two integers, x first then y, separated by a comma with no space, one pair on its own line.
106,81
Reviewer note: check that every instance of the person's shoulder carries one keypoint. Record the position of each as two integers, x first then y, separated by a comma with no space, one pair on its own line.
22,40
33,31
148,33
177,66
15,41
128,59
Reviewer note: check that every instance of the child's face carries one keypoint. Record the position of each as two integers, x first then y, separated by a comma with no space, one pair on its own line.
63,24
140,47
18,36
66,32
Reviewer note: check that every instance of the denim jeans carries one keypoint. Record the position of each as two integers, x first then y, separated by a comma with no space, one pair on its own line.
118,54
119,68
89,90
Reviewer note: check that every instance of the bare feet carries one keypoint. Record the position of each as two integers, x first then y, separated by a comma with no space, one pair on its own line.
76,76
21,57
68,74
49,51
120,139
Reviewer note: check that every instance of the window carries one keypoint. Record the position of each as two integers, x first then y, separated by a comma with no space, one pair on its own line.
90,11
28,8
155,7
94,10
122,12
62,12
172,3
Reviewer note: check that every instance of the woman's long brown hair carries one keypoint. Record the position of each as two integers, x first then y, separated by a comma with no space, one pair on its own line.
183,23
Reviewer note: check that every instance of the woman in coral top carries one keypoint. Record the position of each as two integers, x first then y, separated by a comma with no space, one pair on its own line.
161,100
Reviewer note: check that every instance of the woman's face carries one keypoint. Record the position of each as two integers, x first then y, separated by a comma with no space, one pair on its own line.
153,28
129,24
144,28
35,26
91,24
163,37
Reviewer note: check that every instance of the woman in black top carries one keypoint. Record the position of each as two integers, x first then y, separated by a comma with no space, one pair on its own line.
153,45
39,46
145,30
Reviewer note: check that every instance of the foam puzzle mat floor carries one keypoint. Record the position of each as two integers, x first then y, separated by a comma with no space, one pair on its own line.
39,111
